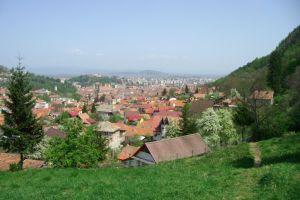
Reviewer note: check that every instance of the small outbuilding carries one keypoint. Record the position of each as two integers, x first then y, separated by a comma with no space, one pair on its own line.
167,150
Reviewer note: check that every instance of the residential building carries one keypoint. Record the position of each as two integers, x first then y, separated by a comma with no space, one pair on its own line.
113,134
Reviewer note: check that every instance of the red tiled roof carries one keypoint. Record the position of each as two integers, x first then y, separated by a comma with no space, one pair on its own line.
127,152
169,113
165,108
41,112
149,111
133,118
85,118
73,113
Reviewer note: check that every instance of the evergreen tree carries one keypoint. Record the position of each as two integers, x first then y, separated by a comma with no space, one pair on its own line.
186,90
171,92
187,124
102,98
243,116
21,130
84,109
197,90
164,92
275,72
93,110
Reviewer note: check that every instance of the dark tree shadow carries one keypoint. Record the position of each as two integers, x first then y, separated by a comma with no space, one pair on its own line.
286,158
245,162
248,162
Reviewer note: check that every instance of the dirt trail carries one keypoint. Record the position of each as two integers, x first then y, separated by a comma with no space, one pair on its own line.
255,152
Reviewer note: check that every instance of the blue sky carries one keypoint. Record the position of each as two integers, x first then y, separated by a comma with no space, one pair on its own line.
187,36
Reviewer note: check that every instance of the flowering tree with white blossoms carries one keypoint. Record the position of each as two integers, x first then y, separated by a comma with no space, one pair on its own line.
228,132
209,127
217,128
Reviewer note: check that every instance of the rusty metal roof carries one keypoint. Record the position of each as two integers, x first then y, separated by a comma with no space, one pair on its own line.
176,148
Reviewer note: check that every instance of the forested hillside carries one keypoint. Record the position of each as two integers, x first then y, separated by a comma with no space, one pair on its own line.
38,82
269,71
87,80
65,89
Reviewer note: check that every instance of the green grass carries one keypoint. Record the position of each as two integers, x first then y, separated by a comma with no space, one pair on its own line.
223,174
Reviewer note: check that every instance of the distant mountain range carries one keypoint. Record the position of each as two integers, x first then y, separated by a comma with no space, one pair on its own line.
152,73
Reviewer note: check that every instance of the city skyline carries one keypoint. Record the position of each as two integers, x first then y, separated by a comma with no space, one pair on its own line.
72,37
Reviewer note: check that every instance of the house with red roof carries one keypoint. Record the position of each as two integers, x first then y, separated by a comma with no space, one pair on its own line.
132,116
86,119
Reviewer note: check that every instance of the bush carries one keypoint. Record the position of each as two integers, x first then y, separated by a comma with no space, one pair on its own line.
81,148
276,118
14,167
62,117
172,129
135,141
116,118
40,149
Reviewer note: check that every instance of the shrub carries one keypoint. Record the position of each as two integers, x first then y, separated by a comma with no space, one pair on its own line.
81,148
172,130
40,149
14,167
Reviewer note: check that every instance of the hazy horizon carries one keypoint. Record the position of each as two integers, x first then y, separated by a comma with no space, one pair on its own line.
187,37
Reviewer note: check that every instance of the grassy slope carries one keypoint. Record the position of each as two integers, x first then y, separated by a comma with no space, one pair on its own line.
224,174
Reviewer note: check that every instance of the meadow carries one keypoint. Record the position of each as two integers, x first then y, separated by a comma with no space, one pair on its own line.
223,174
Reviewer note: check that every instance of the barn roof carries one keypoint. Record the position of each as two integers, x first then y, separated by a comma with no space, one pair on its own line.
176,148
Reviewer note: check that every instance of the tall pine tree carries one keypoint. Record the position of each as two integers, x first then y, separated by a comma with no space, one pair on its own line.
21,130
93,110
187,123
275,76
186,90
84,109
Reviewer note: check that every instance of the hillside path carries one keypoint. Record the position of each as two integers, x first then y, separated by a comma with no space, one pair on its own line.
255,152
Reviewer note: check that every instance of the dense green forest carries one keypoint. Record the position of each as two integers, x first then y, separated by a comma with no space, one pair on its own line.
65,89
87,80
280,72
271,71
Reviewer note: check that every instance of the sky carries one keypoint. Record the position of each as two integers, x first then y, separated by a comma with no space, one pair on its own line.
175,36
